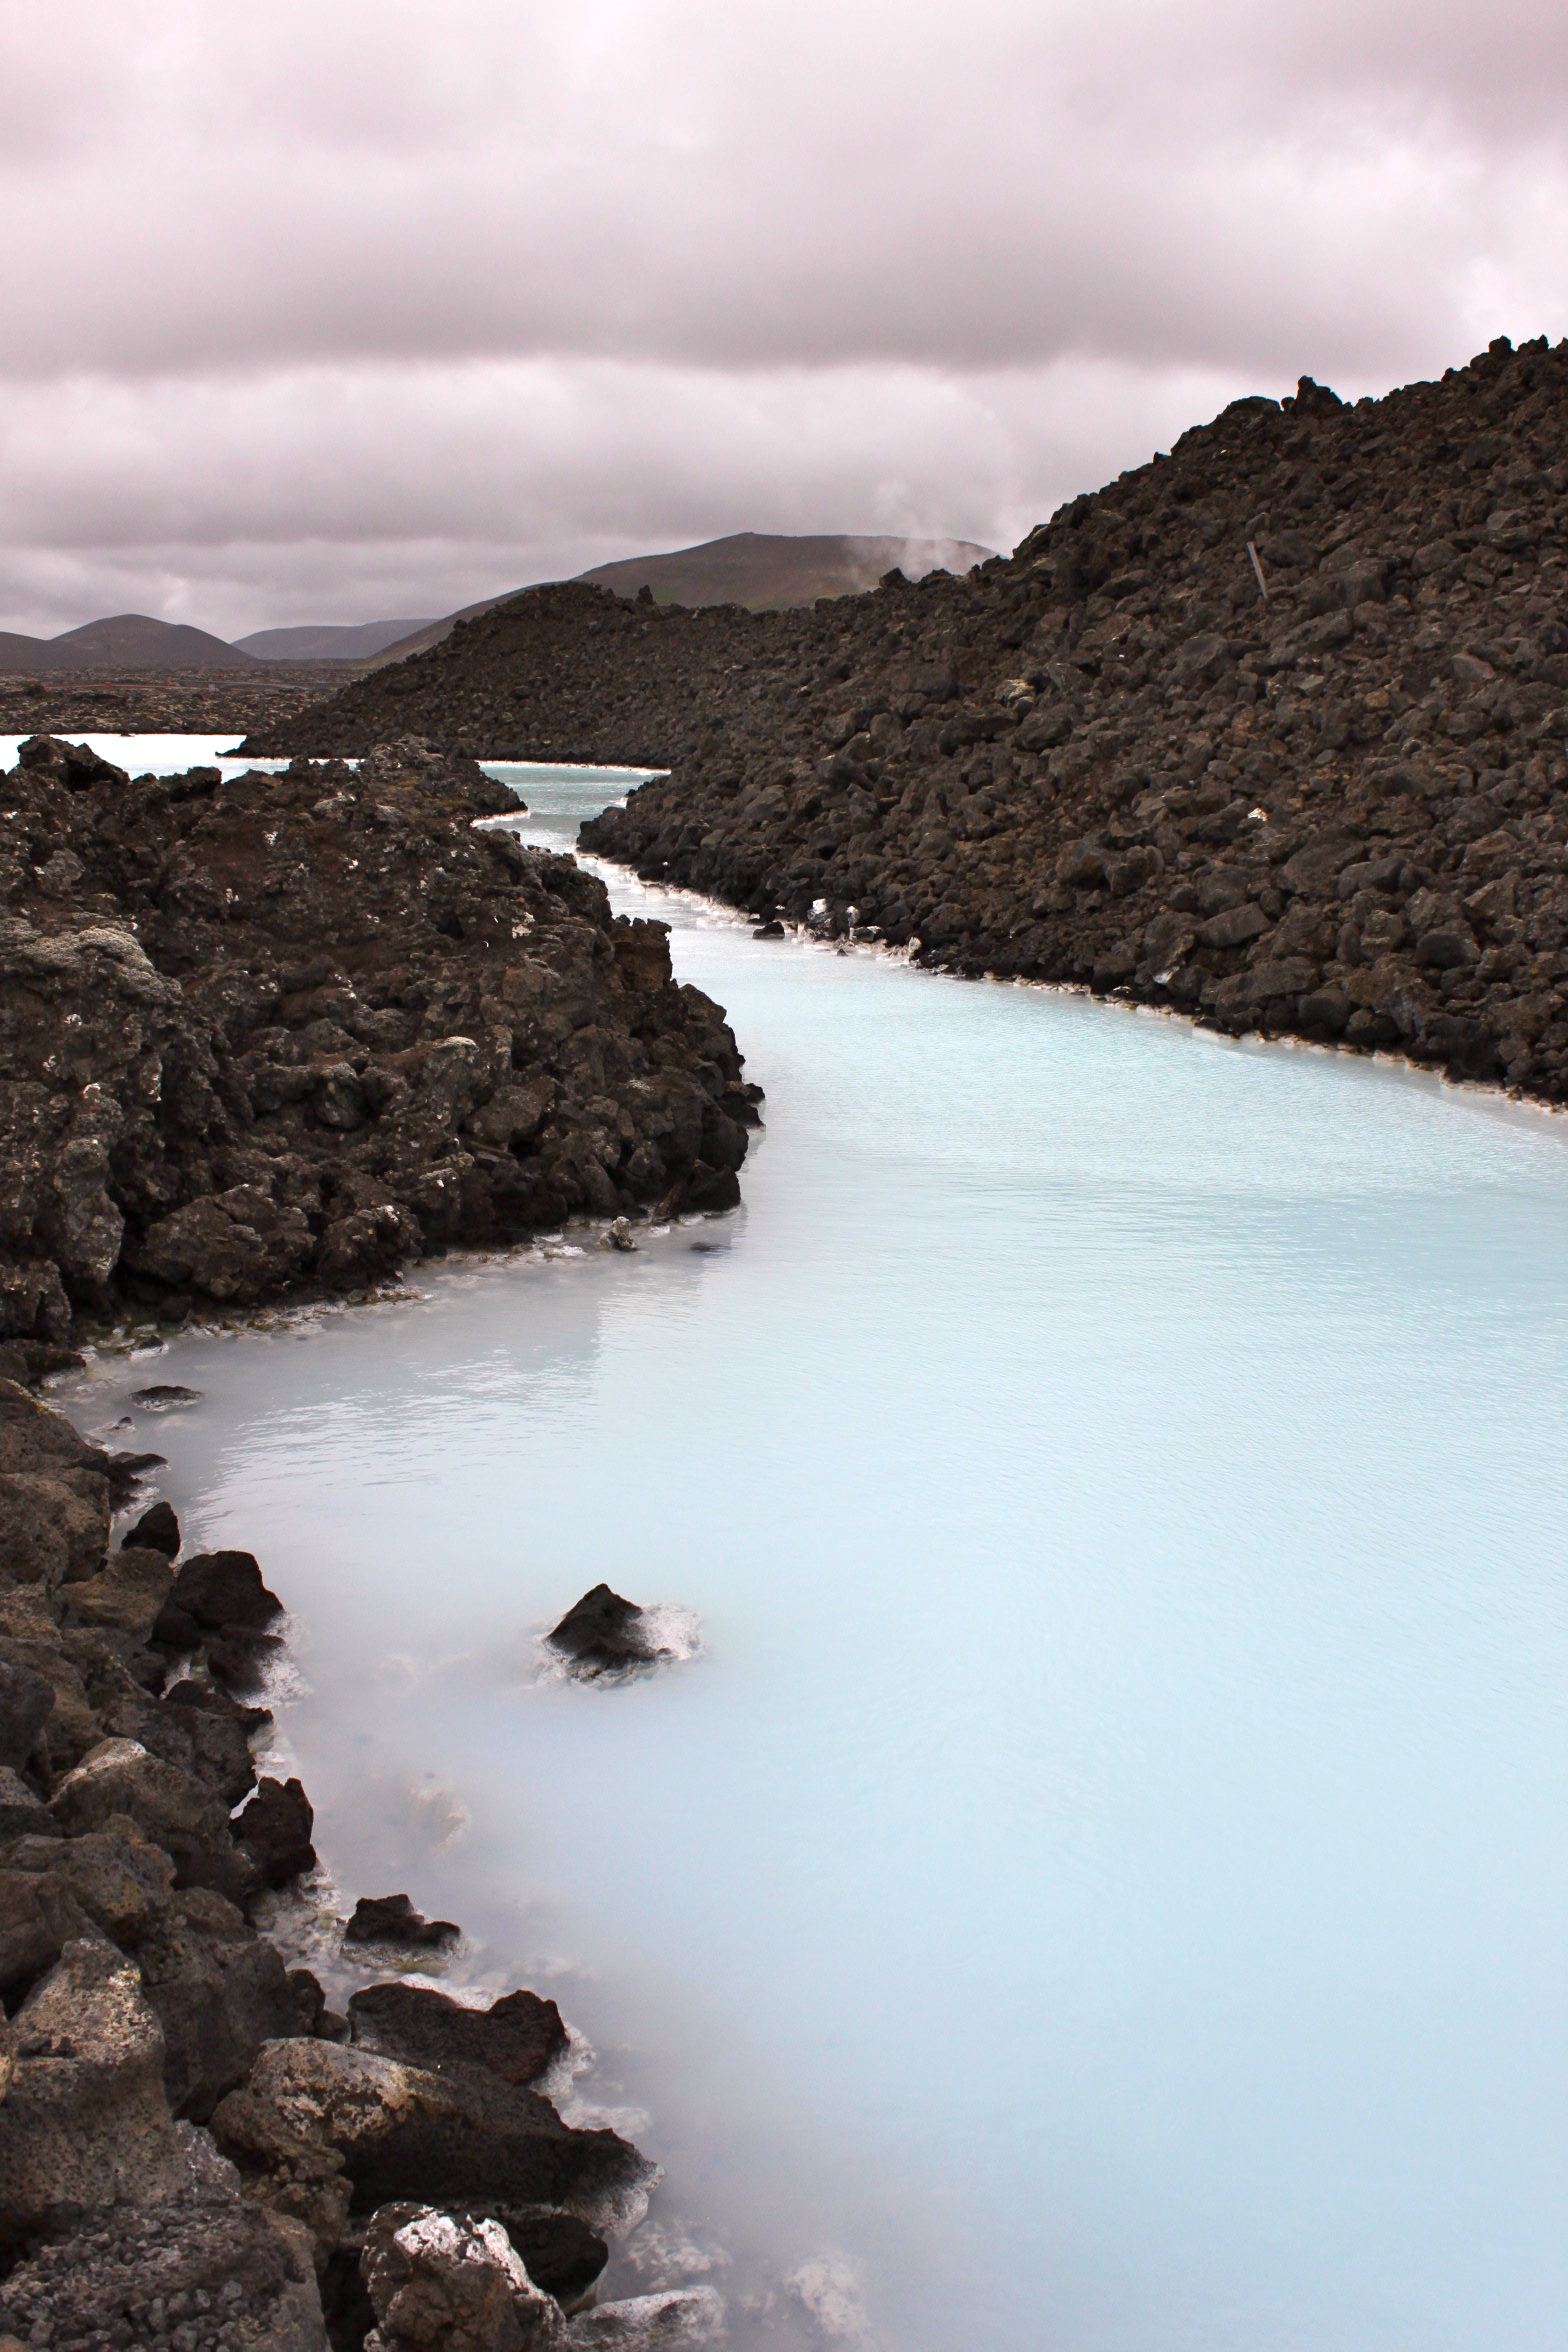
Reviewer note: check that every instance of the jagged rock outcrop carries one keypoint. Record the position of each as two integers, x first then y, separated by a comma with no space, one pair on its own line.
283,1034
1337,809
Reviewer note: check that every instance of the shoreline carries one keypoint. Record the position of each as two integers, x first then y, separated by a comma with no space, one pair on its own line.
1480,1091
145,1936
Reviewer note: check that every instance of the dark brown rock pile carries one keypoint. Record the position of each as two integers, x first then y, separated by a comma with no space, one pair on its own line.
283,1034
196,2153
1273,730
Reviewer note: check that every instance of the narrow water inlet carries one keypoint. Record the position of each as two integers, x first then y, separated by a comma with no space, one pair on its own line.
1100,1882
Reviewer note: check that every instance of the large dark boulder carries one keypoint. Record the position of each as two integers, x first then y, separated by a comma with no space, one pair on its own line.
518,2037
216,1592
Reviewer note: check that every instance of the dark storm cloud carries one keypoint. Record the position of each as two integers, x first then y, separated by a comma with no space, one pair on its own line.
329,303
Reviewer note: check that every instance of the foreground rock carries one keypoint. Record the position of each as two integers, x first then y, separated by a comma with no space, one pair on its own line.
1338,810
602,1632
279,1036
444,2285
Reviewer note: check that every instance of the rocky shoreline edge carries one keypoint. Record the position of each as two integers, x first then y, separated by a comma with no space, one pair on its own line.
195,2151
268,1041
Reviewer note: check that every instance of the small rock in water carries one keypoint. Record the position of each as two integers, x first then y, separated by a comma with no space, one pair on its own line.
165,1397
392,1919
604,1631
771,930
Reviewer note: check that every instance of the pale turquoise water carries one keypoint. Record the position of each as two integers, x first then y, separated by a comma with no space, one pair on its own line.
151,755
1102,1886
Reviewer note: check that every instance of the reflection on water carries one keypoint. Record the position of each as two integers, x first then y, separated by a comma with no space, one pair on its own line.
1101,1883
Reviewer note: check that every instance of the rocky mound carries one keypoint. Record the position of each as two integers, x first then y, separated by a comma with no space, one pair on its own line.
769,569
1270,730
285,1033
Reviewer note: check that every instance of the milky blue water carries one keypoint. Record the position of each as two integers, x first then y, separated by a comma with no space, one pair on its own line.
1102,1884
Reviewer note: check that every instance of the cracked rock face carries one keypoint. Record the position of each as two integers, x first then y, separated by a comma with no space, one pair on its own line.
1338,809
282,1035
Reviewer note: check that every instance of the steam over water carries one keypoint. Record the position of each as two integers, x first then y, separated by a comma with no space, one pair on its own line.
1100,1883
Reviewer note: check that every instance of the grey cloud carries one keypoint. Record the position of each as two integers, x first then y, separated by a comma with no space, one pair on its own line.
374,300
994,185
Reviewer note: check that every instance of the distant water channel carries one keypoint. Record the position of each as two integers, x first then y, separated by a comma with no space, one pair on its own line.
1102,1885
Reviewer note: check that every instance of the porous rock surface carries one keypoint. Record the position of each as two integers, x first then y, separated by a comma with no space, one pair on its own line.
1336,810
281,1035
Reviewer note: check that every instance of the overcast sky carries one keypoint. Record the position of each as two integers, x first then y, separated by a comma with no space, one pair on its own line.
365,308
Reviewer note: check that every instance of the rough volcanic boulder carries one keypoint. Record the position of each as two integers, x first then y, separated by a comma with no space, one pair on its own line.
519,2037
125,1596
85,2121
157,1530
443,2283
206,2269
207,1734
462,2136
219,1602
39,1916
54,1495
220,1992
118,1879
171,1808
603,1631
274,1830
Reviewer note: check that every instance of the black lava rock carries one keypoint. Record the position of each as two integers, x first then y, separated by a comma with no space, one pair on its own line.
392,1919
603,1632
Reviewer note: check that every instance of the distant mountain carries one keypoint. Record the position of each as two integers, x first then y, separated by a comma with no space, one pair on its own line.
765,569
769,571
130,641
326,641
428,633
